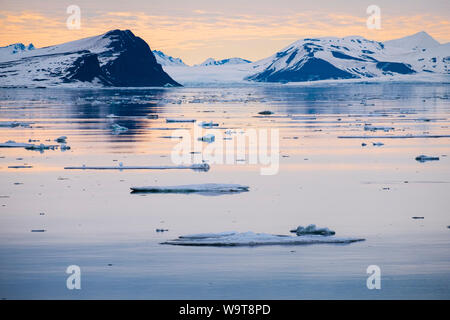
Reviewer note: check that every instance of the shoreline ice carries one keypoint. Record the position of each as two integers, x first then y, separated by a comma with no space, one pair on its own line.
233,239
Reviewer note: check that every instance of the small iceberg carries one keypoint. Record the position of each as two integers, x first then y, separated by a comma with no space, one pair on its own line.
117,129
13,124
230,239
208,138
373,128
171,120
20,167
312,229
61,139
206,189
41,147
377,144
424,158
208,124
13,144
265,113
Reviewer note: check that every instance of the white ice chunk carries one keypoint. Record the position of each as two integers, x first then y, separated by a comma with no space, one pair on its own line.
253,239
207,188
208,124
424,158
312,229
169,120
208,138
61,139
13,144
200,167
117,129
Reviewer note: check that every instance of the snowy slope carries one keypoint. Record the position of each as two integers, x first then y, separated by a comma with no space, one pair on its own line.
14,49
116,58
353,57
230,61
166,60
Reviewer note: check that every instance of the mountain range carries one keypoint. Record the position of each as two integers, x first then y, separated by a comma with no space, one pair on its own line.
119,58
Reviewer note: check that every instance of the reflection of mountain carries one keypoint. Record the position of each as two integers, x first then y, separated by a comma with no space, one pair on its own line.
116,58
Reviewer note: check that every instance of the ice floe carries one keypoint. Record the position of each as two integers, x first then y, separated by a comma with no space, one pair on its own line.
312,229
13,124
170,120
208,138
208,124
20,167
61,139
199,167
254,239
207,188
424,158
117,129
13,144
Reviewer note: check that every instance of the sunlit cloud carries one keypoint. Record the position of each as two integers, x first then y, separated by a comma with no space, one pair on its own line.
202,34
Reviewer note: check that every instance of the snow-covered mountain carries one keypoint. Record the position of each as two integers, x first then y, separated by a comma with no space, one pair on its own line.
15,48
353,57
230,61
116,58
166,60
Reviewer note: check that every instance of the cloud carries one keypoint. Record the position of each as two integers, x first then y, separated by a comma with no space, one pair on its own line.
201,34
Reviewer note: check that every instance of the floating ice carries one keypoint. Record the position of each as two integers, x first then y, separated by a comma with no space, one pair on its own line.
61,139
253,239
418,218
197,166
372,128
13,124
169,120
208,138
117,129
13,144
64,147
41,147
152,116
20,167
265,112
424,158
378,144
207,188
209,124
312,229
112,115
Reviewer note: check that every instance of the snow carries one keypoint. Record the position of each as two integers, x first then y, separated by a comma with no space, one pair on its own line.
166,60
207,188
253,239
229,61
356,57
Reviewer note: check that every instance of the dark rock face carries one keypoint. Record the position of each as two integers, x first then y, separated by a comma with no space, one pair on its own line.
396,67
86,68
309,69
136,65
130,63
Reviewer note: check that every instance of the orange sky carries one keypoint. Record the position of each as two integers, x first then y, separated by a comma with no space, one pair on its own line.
196,34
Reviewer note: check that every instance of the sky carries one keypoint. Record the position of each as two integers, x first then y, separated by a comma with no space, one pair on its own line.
195,30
